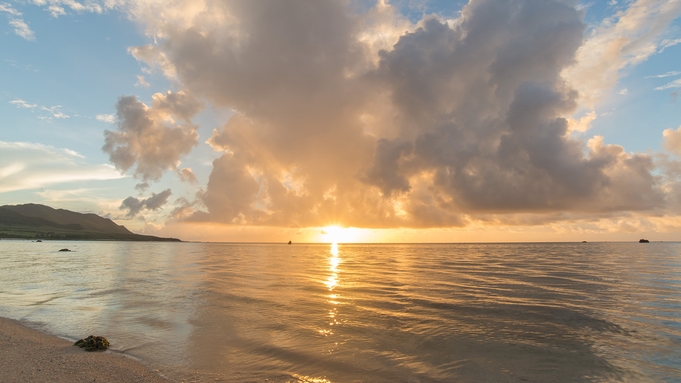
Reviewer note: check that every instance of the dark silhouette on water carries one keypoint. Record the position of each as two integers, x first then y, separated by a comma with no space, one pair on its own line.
643,241
289,242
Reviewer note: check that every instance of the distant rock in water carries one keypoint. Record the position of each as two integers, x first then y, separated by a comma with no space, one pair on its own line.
289,242
583,241
93,343
64,250
643,241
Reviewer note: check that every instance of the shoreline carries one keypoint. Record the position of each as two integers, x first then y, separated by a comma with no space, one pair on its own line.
28,355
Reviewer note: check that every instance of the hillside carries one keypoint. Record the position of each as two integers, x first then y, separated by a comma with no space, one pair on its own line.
33,221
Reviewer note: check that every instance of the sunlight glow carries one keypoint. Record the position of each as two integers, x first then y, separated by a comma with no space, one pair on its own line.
336,234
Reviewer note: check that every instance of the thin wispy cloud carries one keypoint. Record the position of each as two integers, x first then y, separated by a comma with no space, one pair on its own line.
108,118
67,194
47,113
668,74
26,165
141,81
56,11
668,43
58,7
627,38
23,104
17,22
22,29
671,85
7,8
54,112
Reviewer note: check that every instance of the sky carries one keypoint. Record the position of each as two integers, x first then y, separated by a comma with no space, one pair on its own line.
348,120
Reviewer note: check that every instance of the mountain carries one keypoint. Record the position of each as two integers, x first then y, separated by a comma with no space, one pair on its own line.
39,221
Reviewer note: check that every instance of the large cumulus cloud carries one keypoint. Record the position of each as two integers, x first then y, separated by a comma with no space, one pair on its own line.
149,138
450,121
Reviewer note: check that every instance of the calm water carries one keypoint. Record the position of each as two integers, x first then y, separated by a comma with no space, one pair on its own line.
567,312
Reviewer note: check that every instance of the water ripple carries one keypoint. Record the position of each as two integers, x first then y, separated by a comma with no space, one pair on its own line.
570,312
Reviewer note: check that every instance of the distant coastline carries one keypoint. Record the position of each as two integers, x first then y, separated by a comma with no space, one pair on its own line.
40,222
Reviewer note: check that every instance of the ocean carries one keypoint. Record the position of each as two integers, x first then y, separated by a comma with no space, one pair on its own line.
517,312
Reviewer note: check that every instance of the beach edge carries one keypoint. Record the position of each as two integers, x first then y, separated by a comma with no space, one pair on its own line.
29,355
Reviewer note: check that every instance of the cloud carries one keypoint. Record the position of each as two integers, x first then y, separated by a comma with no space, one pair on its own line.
67,195
49,113
623,92
56,11
619,42
22,29
668,43
668,74
674,84
155,202
148,138
57,7
672,140
583,124
141,82
22,104
108,118
7,8
442,123
187,175
183,209
54,112
25,165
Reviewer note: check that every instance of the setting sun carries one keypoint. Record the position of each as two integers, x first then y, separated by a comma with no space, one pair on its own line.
337,234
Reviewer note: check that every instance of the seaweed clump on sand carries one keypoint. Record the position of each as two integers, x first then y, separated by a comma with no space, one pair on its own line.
93,343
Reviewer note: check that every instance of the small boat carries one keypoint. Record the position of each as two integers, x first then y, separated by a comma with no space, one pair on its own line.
289,242
643,241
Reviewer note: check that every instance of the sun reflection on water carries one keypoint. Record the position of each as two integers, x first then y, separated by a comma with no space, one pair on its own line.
334,261
309,379
331,283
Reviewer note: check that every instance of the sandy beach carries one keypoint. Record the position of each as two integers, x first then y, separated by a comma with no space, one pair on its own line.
27,355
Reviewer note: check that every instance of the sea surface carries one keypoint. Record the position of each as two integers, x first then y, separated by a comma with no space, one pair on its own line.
534,312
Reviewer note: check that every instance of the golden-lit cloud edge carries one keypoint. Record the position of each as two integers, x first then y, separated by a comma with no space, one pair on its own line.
476,124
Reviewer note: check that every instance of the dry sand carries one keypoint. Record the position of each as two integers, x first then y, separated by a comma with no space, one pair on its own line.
27,355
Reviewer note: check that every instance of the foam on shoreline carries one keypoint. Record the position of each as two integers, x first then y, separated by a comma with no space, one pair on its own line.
27,355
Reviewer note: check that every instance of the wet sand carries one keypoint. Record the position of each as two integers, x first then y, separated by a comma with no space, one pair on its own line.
27,355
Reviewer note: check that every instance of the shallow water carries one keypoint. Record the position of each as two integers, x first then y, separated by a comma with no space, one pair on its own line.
559,312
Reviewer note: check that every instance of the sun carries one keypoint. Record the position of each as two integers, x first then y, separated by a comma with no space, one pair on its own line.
337,234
